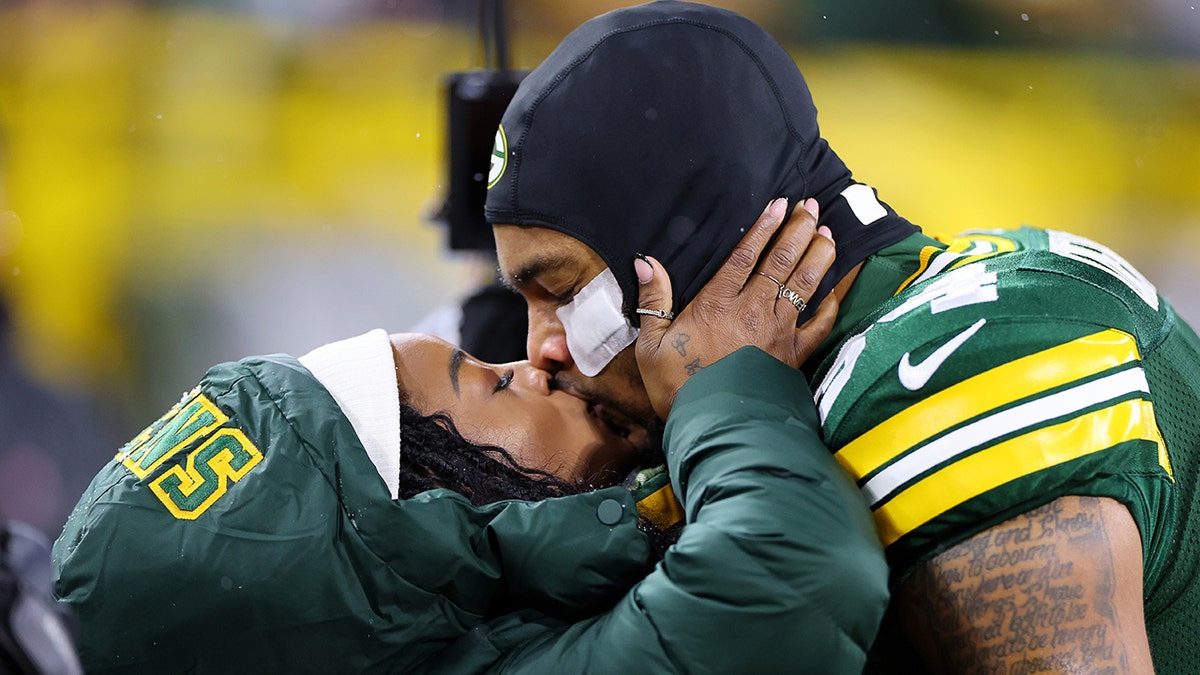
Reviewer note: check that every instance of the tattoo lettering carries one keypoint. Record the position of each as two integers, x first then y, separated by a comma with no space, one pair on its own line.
1031,595
680,344
693,367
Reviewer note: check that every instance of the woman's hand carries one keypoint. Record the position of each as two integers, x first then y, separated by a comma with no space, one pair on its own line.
754,299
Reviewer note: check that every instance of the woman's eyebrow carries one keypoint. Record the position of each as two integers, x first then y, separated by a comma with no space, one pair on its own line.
456,361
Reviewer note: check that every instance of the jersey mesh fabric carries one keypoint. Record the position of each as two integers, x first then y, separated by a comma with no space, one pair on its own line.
1176,393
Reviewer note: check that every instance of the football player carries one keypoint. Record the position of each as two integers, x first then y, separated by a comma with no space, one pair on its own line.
1019,409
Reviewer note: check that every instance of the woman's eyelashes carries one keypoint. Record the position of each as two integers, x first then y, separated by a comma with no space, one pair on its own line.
505,380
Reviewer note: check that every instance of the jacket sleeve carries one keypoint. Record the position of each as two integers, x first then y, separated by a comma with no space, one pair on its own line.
778,569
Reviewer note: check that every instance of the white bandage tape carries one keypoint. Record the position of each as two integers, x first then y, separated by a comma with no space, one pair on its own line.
595,327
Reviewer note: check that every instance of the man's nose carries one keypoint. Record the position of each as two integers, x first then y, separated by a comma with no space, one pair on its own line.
536,379
547,345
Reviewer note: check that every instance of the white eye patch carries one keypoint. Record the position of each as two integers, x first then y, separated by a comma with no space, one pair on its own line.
595,327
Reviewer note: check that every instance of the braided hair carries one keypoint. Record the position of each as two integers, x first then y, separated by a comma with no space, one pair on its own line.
437,456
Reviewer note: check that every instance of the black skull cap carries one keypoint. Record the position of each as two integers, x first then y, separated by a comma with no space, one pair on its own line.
666,129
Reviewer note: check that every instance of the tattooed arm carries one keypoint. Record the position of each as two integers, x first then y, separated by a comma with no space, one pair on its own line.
1054,590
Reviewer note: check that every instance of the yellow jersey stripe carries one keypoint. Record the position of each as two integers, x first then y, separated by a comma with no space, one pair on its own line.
990,468
661,507
964,440
982,393
959,251
925,256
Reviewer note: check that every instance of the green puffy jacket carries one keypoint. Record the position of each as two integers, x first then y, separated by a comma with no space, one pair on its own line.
247,531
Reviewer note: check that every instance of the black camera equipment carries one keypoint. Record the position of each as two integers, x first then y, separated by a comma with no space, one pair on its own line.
475,102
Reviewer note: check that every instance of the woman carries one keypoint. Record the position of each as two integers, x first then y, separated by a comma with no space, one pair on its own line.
267,523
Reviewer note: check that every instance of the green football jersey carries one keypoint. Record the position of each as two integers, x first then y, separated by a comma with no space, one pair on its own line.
1007,369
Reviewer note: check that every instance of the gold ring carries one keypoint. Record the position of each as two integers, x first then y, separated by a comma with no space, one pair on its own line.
787,293
777,282
792,297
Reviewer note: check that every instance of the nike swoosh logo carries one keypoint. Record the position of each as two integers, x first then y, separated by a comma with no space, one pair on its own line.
913,377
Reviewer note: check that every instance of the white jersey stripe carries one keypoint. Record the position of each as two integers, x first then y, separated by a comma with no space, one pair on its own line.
994,426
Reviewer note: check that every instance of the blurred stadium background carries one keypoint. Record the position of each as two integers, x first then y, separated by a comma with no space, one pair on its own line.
185,181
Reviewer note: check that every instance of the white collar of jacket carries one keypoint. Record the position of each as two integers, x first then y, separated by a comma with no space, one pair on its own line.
360,374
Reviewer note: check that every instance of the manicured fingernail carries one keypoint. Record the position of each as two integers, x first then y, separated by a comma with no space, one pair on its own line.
643,269
778,207
812,207
825,232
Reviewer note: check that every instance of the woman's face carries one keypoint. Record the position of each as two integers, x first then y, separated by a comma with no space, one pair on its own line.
516,407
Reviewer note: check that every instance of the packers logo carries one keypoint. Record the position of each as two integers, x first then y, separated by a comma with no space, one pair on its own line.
499,158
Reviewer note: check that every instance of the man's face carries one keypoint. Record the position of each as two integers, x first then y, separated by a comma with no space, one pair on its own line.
548,268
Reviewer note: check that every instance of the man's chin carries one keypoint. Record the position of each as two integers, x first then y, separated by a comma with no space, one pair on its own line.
642,428
647,440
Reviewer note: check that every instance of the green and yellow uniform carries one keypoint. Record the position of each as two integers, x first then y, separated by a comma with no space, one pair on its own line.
971,381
